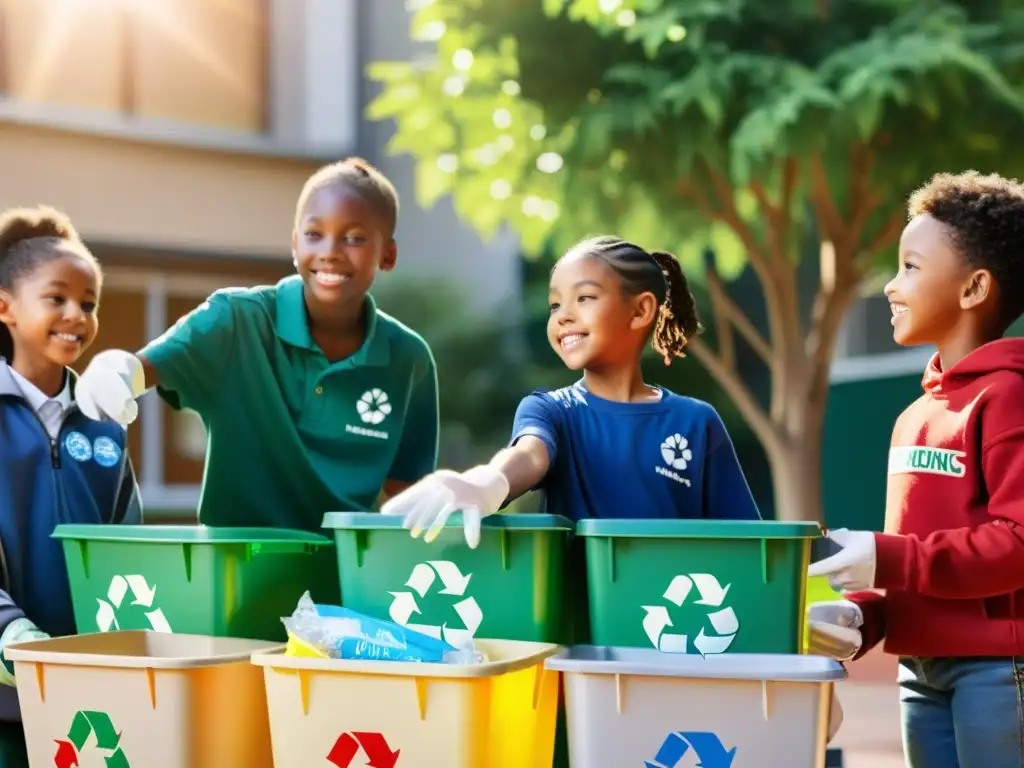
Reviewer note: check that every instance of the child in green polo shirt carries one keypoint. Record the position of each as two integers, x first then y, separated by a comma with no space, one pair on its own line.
313,399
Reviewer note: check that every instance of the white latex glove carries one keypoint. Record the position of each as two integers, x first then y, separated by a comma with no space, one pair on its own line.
18,631
109,385
835,716
476,493
835,629
853,567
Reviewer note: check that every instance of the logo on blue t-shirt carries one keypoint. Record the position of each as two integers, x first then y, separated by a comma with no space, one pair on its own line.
106,452
78,447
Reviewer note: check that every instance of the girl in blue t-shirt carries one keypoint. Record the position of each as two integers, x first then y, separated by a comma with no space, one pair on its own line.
609,446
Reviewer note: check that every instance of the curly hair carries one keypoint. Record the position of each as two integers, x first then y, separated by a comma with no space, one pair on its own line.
363,179
29,238
659,273
985,216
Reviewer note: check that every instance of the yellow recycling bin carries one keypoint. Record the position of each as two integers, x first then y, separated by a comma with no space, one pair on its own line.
391,714
137,699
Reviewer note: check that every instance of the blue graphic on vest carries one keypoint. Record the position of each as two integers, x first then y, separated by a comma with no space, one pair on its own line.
106,452
78,446
706,746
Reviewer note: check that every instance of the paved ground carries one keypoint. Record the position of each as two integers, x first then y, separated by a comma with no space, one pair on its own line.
870,735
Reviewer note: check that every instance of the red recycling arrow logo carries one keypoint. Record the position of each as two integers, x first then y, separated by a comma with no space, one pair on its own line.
374,746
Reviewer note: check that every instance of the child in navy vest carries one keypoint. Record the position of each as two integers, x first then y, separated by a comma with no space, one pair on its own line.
57,465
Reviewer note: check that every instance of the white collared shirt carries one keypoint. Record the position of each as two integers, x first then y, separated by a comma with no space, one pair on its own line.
50,410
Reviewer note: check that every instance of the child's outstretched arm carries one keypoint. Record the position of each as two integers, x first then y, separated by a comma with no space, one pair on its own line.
187,362
482,490
477,492
727,495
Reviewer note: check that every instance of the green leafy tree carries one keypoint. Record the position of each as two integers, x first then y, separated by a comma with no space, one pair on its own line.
771,133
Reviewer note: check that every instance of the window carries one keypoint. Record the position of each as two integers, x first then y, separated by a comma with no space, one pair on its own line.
199,62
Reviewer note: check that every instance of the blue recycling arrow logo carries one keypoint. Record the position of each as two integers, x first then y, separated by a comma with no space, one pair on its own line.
706,746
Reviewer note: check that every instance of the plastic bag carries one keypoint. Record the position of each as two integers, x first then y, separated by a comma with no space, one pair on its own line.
465,655
340,633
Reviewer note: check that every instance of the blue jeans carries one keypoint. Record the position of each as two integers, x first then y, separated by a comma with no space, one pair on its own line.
963,712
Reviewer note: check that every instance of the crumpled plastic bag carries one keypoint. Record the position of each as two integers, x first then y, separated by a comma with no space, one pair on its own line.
334,632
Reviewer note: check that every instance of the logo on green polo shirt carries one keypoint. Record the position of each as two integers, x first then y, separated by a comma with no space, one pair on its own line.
921,459
373,408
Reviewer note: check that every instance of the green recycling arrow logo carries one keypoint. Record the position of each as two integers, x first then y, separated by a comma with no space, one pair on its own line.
453,583
142,595
106,739
710,593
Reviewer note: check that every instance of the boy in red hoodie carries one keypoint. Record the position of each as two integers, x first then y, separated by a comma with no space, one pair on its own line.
951,560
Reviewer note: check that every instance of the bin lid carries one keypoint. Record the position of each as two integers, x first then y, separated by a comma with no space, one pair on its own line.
374,521
773,667
699,529
188,534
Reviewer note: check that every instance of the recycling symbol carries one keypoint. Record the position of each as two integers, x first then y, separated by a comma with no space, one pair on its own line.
453,583
142,595
373,406
105,738
702,745
712,594
676,451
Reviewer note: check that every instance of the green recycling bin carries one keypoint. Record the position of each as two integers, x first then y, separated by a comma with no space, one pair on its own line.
224,582
698,586
510,587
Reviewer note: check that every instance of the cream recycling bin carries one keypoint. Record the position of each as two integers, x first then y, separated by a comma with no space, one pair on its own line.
392,714
641,707
139,699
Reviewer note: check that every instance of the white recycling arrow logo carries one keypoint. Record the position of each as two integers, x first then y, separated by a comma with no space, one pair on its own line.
454,583
142,595
723,621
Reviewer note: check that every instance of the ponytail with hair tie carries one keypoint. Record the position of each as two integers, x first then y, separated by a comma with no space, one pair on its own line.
677,316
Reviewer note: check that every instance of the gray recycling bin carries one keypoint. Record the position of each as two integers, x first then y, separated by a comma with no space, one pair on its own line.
641,707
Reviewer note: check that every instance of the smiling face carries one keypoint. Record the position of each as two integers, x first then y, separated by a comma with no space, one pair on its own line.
339,244
51,312
931,289
592,325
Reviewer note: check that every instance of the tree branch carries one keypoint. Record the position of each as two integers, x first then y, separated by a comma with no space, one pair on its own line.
726,213
863,200
823,203
886,236
728,315
789,176
776,223
833,298
731,381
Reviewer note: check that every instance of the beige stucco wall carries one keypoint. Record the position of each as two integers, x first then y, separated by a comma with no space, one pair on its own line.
129,193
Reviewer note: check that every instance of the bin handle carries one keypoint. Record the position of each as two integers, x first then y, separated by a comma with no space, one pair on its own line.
279,548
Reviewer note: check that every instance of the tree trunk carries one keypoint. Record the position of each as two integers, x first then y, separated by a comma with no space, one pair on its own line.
798,355
796,480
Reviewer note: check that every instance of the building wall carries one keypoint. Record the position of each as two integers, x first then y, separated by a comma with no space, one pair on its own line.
137,194
177,135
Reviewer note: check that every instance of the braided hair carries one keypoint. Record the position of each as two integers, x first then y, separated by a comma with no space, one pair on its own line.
29,238
656,272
